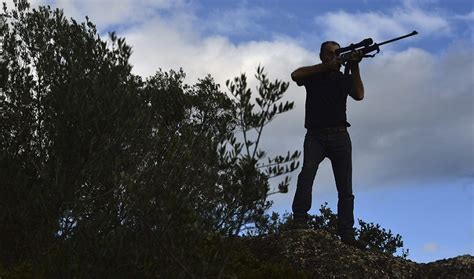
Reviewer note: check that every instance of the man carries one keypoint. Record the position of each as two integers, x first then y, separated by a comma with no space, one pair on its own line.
326,123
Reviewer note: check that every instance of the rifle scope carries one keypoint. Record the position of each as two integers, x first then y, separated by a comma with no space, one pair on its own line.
364,43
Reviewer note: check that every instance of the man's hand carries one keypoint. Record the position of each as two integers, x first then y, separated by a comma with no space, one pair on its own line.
356,56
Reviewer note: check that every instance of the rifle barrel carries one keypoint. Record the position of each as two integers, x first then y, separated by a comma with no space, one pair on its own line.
399,38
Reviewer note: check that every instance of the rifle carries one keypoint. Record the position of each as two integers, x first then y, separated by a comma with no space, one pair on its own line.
366,46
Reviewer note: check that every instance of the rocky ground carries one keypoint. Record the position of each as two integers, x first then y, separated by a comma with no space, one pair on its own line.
321,255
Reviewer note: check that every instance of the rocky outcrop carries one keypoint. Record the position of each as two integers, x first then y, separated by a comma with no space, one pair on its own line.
458,267
321,255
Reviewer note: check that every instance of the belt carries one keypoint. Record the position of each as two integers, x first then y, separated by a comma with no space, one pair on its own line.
329,130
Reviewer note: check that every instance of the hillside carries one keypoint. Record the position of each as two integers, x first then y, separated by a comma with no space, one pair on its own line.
318,253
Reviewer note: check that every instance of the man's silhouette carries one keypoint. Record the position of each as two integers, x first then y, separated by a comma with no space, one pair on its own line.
326,123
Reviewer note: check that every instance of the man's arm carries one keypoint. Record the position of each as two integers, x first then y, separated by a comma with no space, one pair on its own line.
300,74
357,85
357,92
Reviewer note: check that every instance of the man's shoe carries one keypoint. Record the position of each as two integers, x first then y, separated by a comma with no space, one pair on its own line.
351,241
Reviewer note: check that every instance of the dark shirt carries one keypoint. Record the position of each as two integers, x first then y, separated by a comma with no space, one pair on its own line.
326,96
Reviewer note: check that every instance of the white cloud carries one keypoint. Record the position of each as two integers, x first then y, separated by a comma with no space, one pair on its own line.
431,247
160,45
352,27
108,12
467,17
415,124
241,20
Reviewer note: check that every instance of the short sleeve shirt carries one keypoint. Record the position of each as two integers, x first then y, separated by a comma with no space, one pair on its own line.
326,97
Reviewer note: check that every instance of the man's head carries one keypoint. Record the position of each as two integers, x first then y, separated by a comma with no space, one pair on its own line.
328,51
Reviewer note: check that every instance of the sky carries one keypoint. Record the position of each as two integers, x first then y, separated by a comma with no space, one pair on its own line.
412,135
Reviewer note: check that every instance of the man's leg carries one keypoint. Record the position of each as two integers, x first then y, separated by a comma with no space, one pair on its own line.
313,154
340,153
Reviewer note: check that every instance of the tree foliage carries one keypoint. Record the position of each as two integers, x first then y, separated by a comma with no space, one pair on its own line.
371,235
104,172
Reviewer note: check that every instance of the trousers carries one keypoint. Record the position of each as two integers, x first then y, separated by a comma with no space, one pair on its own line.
337,147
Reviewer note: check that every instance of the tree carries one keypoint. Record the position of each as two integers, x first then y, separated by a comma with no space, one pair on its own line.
68,104
108,173
248,175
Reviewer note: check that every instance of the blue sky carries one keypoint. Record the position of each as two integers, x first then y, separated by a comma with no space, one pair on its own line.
412,135
297,18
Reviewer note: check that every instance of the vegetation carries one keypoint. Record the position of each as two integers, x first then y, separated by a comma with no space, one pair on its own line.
373,236
104,172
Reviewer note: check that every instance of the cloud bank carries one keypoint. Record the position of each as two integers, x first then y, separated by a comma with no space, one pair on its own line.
414,126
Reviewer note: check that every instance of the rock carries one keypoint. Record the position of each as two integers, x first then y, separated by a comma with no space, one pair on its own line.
458,267
322,255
